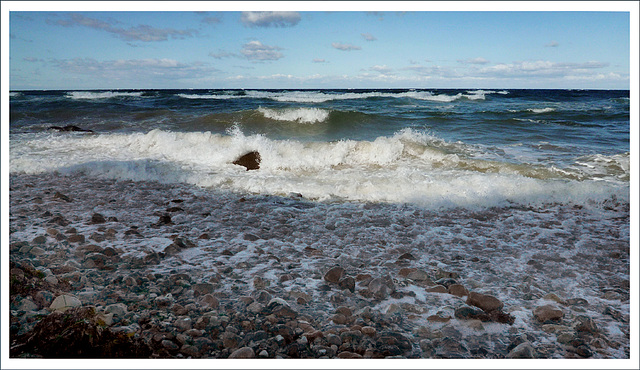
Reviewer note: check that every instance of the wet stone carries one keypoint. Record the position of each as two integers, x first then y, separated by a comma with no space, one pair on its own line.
486,302
183,323
59,195
420,276
585,324
65,302
547,313
347,283
97,218
381,288
349,354
244,352
470,313
437,289
523,350
170,345
334,275
458,290
446,282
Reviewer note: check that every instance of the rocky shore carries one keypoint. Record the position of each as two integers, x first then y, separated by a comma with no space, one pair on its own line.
121,269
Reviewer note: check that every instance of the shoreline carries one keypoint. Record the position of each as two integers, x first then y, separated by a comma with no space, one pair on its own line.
190,273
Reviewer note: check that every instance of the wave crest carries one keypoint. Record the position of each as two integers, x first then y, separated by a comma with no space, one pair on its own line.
301,115
91,95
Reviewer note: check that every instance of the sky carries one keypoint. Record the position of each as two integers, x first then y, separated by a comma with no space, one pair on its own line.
291,48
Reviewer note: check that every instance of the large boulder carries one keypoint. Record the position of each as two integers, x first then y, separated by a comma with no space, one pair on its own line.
251,161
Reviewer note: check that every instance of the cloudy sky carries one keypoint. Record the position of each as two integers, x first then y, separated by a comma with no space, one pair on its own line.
218,48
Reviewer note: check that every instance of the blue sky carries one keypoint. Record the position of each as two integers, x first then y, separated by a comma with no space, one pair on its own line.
218,48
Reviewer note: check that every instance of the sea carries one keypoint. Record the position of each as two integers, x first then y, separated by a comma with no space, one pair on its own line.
434,148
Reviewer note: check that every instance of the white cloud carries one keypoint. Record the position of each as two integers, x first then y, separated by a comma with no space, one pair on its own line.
142,33
345,47
552,44
135,72
222,54
319,60
255,50
384,69
369,37
211,20
540,68
270,19
473,61
433,71
32,59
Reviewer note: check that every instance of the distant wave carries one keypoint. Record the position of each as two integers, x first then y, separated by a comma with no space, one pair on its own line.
210,96
542,110
297,96
91,95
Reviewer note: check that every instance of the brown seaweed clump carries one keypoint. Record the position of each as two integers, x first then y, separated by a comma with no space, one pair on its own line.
77,333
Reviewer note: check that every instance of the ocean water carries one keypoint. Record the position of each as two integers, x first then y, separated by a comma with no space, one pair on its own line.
432,148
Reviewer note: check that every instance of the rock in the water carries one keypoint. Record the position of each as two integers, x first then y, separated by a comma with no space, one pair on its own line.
98,219
59,195
522,350
165,220
251,161
418,275
585,324
380,288
69,128
347,283
547,313
407,256
334,275
484,301
76,238
470,313
458,290
437,289
203,289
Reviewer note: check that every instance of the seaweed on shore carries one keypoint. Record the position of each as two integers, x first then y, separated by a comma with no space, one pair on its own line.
77,333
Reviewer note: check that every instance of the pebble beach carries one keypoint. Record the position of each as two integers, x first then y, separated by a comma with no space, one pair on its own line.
185,272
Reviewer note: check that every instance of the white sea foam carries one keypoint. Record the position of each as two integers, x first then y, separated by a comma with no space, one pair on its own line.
409,167
90,95
301,115
320,97
209,96
542,110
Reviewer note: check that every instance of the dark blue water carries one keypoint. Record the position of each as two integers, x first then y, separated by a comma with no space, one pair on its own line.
571,135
